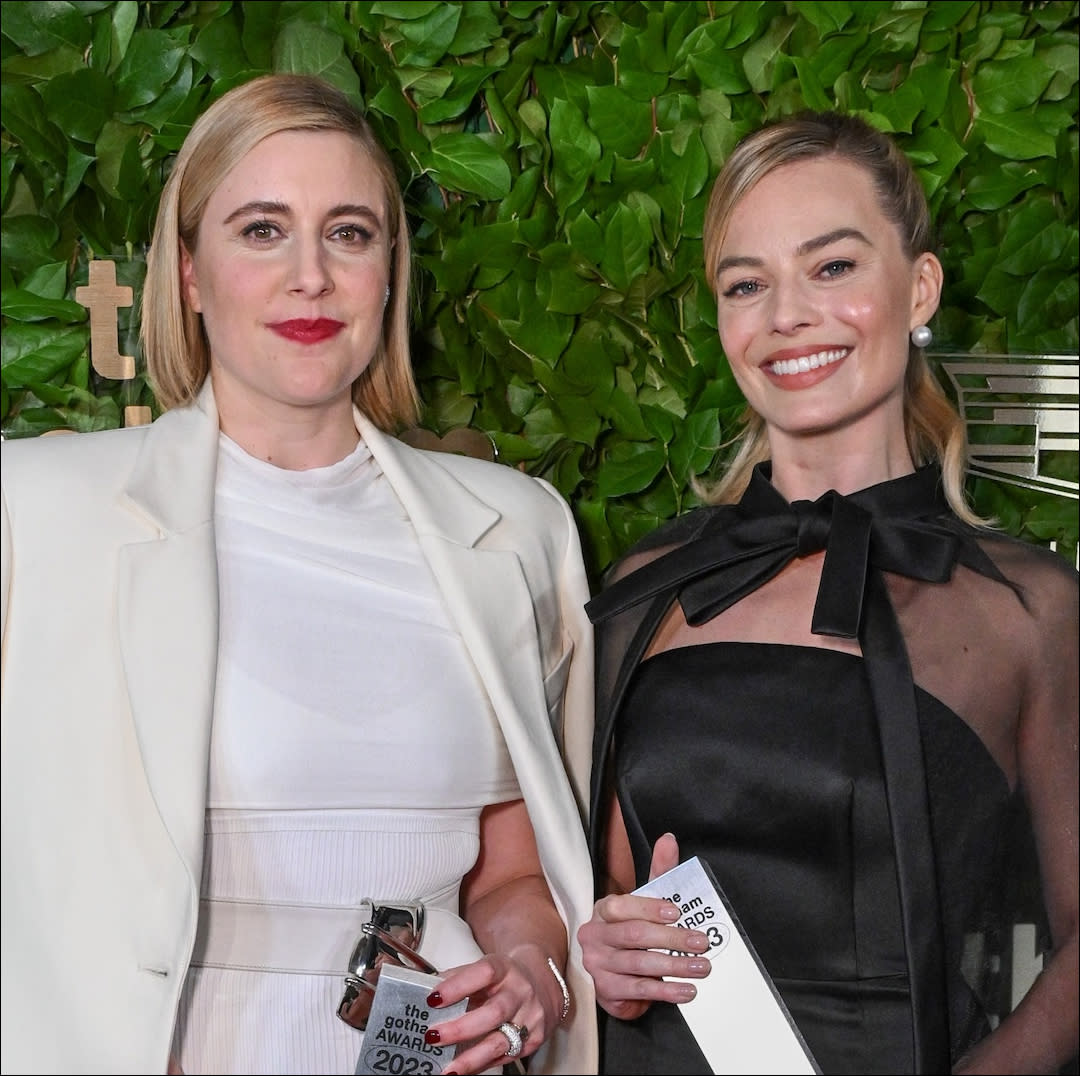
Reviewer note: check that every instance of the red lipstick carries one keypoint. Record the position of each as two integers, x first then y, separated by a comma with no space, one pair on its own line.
307,330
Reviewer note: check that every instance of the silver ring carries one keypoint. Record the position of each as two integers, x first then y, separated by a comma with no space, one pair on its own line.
515,1036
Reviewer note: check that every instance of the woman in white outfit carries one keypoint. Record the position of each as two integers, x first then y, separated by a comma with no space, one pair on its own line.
294,664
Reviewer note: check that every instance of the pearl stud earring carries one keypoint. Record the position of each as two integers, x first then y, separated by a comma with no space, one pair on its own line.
921,336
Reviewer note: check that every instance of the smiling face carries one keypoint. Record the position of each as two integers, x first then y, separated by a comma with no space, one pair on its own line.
816,300
289,273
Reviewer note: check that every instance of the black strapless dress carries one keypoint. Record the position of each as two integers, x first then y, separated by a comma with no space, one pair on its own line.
867,840
764,760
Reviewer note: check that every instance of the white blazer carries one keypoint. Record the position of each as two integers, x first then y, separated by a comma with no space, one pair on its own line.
109,607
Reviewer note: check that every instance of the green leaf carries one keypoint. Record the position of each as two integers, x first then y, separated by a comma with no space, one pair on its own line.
696,445
760,59
111,147
305,49
989,191
569,291
220,49
428,37
32,353
125,19
625,123
813,90
20,305
576,151
478,30
49,281
27,242
467,163
457,96
1010,86
827,18
631,468
25,120
708,55
1051,296
43,25
1015,136
406,9
628,239
937,154
79,103
151,61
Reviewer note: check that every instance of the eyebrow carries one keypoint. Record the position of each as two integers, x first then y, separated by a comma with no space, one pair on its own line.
280,209
808,247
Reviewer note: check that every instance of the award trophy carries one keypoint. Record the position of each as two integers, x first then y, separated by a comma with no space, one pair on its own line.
391,934
737,1016
386,989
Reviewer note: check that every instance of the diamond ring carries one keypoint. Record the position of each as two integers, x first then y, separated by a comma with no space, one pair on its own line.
515,1035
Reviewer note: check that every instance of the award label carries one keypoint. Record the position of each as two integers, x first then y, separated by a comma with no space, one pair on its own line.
394,1040
738,1018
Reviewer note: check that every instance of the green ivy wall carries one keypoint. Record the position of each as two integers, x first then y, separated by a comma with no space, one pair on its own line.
556,159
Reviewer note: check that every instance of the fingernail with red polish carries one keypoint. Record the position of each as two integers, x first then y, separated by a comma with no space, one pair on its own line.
432,1036
434,999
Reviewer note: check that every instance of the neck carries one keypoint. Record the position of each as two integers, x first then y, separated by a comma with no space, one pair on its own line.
296,440
805,468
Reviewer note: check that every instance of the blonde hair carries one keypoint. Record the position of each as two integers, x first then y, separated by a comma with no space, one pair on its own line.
174,340
934,431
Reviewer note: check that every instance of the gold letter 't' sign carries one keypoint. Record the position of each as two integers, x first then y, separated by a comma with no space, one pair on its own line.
103,297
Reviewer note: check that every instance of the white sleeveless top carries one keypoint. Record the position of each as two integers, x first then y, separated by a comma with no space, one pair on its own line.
353,746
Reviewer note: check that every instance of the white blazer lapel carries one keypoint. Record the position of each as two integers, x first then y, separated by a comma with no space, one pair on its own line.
488,597
485,589
167,615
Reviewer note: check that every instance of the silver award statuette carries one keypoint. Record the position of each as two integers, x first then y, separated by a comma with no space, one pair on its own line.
397,1022
389,934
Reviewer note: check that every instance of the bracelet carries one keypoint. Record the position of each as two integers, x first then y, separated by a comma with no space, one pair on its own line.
563,987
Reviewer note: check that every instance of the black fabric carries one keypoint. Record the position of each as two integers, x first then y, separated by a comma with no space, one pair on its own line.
915,1009
788,807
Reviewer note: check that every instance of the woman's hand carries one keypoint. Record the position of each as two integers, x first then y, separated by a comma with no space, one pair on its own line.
516,988
507,904
618,945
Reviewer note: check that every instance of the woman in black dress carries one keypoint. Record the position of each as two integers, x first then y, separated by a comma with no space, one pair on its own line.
835,685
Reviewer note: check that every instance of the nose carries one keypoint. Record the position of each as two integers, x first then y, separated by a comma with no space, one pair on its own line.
793,307
309,269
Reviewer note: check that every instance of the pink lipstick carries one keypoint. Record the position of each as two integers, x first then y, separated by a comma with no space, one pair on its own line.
307,330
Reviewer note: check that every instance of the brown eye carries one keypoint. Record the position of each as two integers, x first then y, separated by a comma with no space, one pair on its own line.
260,230
352,233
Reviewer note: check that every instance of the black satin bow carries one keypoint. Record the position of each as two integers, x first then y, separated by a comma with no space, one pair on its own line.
903,526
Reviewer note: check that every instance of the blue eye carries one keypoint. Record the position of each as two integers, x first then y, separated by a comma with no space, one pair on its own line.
742,287
837,268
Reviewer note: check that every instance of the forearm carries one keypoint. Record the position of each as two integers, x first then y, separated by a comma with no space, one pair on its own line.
1041,1035
518,919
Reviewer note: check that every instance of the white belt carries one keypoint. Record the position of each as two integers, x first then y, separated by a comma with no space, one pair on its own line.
310,939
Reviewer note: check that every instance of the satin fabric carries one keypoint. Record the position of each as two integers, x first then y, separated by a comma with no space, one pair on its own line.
720,555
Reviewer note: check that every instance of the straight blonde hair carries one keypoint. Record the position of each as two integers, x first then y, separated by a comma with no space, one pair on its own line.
174,340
